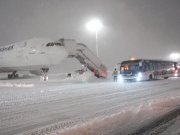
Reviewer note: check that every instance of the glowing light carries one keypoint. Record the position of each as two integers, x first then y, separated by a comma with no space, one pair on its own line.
175,56
132,58
104,75
139,75
120,78
94,25
84,81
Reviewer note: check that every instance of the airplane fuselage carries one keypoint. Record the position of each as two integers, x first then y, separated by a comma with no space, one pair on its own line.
33,54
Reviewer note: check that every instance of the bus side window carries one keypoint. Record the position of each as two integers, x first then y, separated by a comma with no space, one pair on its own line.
143,67
150,66
146,67
162,66
169,66
166,66
154,66
159,66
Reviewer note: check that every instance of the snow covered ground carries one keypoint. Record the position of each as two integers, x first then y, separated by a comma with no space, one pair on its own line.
84,105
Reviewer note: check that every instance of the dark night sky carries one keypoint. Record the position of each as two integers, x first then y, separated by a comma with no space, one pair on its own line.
138,28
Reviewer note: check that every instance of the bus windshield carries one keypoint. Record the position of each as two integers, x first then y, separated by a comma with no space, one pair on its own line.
130,67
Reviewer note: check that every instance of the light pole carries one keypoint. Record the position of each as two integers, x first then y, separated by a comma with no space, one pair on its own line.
95,25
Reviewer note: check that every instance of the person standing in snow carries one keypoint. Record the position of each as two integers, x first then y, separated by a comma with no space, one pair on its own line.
115,73
97,74
69,75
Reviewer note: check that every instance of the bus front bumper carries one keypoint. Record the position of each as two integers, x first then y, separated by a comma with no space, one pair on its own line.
130,78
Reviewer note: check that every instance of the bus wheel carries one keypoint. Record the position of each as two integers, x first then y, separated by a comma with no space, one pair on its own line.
166,77
150,77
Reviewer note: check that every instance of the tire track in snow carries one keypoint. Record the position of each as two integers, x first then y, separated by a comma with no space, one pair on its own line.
158,126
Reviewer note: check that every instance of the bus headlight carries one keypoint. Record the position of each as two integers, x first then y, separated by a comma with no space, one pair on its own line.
120,78
139,75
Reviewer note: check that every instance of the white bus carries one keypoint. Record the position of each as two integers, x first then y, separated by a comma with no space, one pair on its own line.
142,69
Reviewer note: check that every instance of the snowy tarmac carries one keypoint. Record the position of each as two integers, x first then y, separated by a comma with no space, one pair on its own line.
84,105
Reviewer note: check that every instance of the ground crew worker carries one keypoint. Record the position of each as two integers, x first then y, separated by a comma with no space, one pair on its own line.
94,72
69,75
115,73
97,74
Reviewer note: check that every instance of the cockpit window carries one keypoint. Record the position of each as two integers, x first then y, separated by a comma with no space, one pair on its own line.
48,44
58,44
53,44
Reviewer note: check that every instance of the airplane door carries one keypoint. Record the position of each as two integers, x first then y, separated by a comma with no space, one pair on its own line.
33,47
32,53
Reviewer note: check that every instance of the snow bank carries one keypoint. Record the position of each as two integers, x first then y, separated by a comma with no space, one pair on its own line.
75,76
3,84
88,77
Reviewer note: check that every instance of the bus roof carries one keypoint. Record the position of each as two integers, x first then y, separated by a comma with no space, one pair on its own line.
147,60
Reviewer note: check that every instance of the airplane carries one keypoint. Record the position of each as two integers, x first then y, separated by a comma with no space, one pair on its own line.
37,55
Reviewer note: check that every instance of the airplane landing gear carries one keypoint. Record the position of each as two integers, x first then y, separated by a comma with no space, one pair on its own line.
13,75
16,76
9,76
44,78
